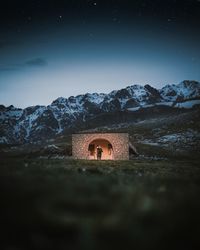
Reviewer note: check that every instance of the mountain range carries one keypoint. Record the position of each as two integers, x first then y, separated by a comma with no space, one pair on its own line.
70,114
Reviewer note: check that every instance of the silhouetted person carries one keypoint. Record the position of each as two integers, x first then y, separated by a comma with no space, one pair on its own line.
99,152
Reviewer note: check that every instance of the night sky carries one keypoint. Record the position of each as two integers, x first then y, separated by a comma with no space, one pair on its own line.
61,48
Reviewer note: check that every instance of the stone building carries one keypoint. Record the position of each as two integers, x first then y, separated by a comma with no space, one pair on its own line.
115,146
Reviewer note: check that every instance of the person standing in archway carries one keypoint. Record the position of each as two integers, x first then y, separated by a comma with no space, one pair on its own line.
99,152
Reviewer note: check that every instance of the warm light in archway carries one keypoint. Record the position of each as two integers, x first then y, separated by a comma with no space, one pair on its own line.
105,145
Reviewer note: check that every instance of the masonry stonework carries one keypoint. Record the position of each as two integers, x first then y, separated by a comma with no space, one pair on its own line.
115,145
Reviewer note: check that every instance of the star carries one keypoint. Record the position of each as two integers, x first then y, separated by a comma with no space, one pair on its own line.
91,34
116,20
92,3
28,19
60,18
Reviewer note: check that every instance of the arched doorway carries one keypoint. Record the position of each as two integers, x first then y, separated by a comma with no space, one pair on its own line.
107,149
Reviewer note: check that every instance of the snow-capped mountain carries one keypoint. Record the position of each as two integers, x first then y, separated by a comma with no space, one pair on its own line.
41,122
180,92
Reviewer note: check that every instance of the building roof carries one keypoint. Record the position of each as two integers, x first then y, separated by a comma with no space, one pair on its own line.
99,132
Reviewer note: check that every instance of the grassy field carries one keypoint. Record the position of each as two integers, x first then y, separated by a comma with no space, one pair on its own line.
67,204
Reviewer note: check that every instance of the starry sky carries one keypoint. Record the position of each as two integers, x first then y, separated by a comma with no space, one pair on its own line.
69,47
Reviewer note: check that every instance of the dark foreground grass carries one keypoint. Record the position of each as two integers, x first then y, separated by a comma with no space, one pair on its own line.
67,204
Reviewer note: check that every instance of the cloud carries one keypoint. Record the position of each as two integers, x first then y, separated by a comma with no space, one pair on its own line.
36,62
4,43
8,68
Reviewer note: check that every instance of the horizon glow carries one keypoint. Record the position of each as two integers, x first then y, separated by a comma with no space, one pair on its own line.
42,60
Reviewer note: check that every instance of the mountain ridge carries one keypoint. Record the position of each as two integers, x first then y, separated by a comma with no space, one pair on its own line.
41,122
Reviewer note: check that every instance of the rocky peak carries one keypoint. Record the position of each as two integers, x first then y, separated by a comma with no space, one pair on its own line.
182,91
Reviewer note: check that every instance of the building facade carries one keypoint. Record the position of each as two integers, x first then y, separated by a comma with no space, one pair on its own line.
115,146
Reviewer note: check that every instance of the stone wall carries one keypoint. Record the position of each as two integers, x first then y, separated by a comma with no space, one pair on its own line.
119,142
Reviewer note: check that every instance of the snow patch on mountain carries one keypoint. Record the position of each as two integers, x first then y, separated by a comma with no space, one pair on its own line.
170,104
187,104
187,139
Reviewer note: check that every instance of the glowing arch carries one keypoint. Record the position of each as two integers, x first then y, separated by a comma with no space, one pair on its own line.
105,144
